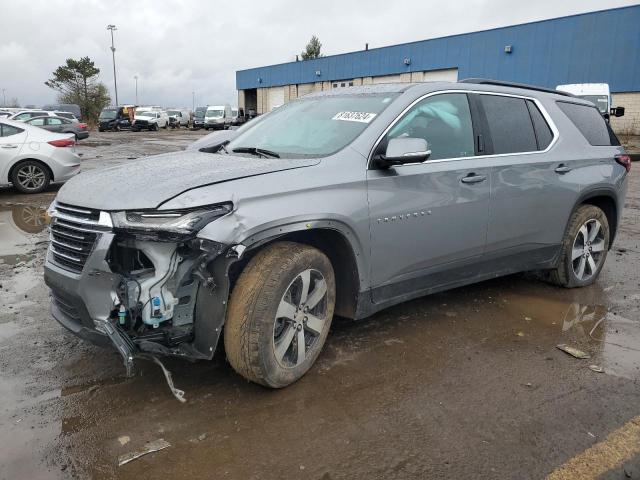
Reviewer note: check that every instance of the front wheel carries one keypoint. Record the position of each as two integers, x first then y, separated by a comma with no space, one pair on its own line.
280,314
584,248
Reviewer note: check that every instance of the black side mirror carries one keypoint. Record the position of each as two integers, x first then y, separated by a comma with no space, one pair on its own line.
404,150
617,111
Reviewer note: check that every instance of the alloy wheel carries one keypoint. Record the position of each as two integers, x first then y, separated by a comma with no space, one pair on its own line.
300,318
588,250
31,177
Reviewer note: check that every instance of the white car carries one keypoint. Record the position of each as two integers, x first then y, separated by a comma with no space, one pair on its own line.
150,120
23,115
31,157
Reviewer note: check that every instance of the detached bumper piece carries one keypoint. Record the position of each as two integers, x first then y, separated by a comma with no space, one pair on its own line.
121,341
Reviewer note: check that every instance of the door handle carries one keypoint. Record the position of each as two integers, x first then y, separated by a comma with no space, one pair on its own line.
562,168
9,146
473,178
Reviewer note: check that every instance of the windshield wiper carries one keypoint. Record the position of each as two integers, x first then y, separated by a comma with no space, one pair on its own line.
260,152
223,147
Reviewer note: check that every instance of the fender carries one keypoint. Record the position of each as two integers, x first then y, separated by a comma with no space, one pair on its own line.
260,234
601,191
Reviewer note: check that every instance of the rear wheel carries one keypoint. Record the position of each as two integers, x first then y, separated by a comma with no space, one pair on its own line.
584,248
30,176
280,314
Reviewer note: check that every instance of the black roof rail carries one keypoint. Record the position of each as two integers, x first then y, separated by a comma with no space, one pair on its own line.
486,81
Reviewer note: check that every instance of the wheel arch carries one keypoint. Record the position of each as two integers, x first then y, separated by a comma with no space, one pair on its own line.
333,242
606,200
17,162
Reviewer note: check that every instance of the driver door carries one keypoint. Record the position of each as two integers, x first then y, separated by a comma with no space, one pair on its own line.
429,220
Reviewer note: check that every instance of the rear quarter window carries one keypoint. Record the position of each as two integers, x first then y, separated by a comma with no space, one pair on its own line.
589,121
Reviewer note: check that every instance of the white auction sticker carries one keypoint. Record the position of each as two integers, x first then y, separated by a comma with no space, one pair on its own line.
363,117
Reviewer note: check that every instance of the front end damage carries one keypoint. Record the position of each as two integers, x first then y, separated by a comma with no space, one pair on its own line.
141,281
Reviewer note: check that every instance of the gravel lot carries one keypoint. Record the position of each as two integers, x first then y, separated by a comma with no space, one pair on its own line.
463,384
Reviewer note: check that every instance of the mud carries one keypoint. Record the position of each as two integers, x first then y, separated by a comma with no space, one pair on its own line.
463,384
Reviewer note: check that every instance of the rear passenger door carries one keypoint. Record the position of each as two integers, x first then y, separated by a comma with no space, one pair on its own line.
54,124
533,191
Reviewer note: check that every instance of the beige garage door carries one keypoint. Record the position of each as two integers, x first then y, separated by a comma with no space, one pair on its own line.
448,75
275,98
387,79
305,88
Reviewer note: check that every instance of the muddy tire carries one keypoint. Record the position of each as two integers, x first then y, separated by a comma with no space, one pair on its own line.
280,314
584,248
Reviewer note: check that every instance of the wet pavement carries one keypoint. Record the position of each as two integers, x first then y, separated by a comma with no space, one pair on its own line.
463,384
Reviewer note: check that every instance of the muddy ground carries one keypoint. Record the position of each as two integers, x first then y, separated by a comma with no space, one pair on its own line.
463,384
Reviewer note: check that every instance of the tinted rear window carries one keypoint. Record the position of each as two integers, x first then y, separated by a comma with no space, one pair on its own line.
509,124
544,135
589,121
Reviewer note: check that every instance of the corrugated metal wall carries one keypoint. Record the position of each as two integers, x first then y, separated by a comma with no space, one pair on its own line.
600,47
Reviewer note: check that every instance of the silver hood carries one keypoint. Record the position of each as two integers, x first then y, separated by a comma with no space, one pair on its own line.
149,182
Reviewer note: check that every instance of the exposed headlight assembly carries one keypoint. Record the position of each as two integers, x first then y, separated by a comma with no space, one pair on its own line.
172,222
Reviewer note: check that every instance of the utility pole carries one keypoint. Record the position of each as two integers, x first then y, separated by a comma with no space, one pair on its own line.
136,77
111,28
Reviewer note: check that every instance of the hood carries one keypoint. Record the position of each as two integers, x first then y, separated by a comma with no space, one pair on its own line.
149,182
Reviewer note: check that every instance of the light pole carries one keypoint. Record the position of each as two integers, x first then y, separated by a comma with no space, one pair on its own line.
111,28
193,101
136,77
4,99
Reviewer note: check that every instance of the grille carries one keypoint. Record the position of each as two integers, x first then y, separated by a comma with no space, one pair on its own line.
66,306
72,236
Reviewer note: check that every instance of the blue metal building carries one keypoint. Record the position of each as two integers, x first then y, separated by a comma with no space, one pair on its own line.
595,47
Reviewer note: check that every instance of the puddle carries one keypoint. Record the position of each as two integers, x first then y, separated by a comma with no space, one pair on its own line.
21,228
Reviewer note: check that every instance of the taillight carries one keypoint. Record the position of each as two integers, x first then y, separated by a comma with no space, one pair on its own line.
82,125
625,161
65,142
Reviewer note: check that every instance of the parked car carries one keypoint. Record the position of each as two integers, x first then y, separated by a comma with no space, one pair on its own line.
597,93
67,115
60,125
179,118
218,117
5,114
116,118
345,201
198,117
31,157
150,120
23,115
65,107
237,116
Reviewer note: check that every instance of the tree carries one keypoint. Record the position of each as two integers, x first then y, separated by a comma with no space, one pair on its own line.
312,50
77,82
13,103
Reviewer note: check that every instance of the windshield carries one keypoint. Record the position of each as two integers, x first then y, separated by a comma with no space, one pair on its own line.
172,113
215,113
313,127
199,113
145,114
108,114
600,101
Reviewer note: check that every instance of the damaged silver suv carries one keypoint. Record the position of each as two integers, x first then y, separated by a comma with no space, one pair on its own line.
343,203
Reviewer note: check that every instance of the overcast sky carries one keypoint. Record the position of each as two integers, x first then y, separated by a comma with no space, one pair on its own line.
176,47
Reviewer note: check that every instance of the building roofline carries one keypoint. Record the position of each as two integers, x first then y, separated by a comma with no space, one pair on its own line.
445,36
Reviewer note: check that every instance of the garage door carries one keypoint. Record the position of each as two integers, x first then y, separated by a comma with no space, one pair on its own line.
448,75
304,89
387,79
275,98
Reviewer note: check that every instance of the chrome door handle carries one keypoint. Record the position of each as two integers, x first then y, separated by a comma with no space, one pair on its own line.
9,146
562,169
473,178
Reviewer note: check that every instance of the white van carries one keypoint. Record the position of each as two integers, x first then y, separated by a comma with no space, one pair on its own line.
218,117
596,93
179,117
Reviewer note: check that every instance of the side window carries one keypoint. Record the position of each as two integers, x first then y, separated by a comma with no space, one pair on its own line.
8,130
444,121
54,121
509,124
38,122
589,121
543,132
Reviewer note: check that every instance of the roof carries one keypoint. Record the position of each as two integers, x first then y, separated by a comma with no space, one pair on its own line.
594,47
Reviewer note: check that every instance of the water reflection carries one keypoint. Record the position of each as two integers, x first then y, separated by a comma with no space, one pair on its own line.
20,226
